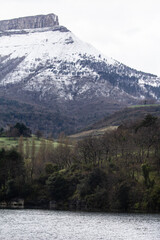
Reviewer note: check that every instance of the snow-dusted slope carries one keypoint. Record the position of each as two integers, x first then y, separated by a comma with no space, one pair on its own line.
53,61
51,55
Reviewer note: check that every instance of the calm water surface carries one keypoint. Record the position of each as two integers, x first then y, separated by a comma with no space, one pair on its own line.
61,225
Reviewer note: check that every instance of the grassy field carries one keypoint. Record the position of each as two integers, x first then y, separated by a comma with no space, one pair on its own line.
10,142
146,105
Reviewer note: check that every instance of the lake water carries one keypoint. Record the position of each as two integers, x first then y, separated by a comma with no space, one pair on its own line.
61,225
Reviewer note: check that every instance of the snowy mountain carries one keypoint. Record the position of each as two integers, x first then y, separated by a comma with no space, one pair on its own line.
47,64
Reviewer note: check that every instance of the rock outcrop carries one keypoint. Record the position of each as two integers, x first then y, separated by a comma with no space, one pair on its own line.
39,21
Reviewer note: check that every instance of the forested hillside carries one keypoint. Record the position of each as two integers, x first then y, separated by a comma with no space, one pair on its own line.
118,171
36,117
128,114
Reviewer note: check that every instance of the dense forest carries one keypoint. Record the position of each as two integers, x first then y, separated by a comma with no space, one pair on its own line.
119,171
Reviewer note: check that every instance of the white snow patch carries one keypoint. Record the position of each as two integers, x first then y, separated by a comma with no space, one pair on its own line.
154,82
40,47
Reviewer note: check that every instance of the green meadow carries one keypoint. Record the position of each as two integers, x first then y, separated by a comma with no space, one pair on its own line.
12,142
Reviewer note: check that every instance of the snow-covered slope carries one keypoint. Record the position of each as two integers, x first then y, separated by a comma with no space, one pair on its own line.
47,57
54,61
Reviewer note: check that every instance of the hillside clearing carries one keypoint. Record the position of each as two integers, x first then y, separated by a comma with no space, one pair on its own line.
93,132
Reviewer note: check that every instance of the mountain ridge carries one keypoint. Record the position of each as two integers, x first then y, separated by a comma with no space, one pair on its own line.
51,67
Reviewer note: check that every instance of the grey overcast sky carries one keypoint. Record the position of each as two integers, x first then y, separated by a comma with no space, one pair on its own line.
126,30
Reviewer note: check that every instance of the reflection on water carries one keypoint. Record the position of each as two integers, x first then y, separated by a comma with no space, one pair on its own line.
61,225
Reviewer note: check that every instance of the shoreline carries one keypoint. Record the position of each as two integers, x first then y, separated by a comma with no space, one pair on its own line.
114,211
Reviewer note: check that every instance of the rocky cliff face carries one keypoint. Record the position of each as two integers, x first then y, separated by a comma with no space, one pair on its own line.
39,21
